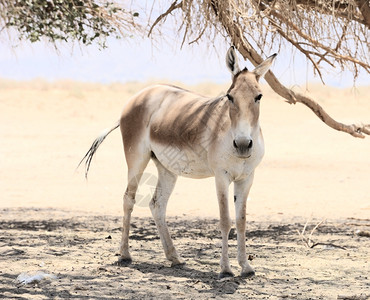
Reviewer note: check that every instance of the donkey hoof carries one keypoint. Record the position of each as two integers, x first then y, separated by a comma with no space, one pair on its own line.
225,275
247,274
178,264
124,261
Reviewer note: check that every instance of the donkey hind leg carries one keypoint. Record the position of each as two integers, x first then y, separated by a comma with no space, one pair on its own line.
158,205
136,167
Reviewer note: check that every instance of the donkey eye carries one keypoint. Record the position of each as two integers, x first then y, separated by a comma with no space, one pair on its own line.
231,99
258,98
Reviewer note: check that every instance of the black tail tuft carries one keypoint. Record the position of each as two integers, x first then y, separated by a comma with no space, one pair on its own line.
89,155
94,147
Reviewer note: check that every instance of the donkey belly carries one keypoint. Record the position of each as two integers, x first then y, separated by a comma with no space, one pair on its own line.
191,163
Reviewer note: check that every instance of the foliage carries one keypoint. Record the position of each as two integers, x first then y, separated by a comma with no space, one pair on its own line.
66,20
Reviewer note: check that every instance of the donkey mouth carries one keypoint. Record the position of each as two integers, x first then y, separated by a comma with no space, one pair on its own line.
243,156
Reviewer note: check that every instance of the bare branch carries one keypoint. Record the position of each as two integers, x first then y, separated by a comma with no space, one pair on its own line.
353,129
308,241
327,32
364,8
248,52
234,17
173,7
298,46
312,41
338,9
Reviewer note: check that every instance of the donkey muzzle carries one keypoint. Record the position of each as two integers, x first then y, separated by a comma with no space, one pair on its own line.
243,145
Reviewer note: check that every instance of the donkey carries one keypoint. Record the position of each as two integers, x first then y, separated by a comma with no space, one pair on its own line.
186,134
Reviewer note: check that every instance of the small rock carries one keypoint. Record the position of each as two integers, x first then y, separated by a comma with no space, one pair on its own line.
362,233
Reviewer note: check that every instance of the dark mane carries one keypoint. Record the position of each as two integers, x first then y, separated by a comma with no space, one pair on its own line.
245,70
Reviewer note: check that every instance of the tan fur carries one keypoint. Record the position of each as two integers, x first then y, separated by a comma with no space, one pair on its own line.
190,135
187,119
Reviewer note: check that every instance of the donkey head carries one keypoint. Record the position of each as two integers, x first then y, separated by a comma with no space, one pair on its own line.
244,97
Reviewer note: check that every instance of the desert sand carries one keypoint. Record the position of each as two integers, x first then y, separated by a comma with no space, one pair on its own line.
53,220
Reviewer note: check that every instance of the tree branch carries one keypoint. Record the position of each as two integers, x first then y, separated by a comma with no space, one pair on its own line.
339,9
313,42
234,30
248,52
364,7
173,7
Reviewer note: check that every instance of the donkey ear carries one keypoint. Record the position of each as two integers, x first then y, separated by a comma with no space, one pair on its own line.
262,69
232,61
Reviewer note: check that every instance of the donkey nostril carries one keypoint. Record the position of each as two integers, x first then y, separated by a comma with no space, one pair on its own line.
243,144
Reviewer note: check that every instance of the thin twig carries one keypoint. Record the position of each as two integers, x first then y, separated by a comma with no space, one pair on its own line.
313,230
308,241
328,245
173,7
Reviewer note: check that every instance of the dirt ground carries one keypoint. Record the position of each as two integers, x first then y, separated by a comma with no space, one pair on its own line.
80,250
54,221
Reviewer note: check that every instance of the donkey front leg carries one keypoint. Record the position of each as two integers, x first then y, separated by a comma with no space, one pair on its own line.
222,186
241,191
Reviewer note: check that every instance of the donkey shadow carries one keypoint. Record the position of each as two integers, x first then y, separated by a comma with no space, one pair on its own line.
208,279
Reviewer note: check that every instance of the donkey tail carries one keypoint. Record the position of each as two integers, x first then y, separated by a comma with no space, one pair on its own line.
94,147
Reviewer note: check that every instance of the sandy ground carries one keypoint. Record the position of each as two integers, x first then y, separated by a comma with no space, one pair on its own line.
52,220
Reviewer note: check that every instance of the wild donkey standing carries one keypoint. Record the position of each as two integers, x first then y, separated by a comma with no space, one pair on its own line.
218,137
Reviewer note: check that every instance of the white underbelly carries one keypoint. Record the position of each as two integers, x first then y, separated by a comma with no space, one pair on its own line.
186,162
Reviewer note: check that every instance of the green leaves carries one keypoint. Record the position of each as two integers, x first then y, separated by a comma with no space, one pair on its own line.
62,20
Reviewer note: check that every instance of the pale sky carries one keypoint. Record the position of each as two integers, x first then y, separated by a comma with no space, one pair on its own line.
138,60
